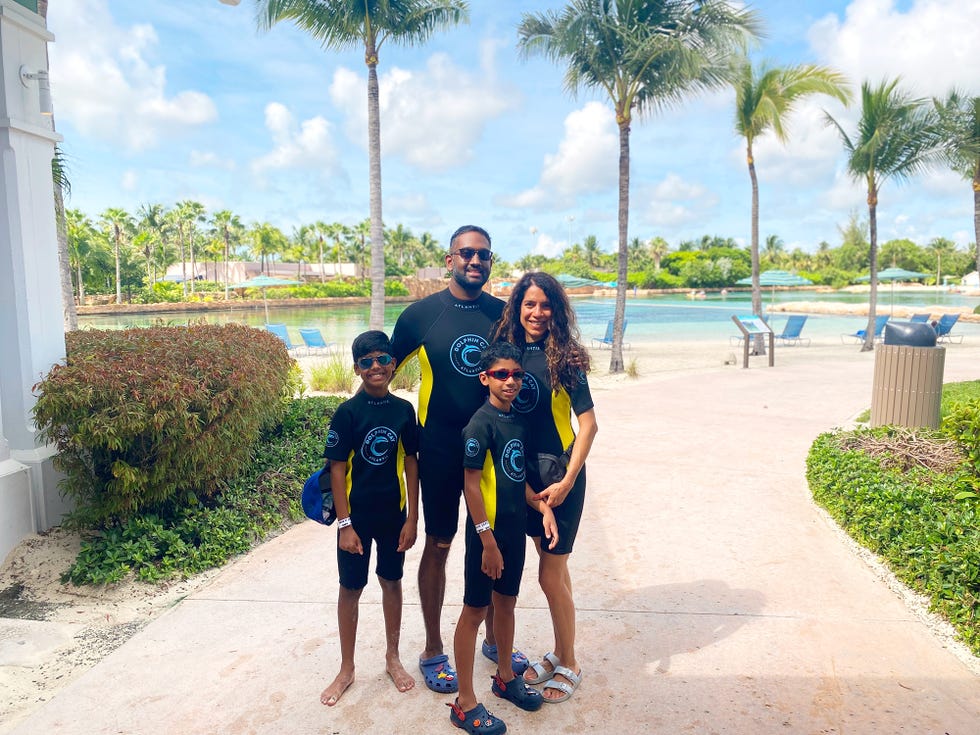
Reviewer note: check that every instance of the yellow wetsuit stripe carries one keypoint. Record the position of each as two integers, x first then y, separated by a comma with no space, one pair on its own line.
347,481
425,386
400,465
561,412
488,488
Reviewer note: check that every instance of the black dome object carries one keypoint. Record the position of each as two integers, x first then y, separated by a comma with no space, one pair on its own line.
910,334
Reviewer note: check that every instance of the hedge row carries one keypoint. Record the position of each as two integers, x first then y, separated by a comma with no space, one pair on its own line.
142,416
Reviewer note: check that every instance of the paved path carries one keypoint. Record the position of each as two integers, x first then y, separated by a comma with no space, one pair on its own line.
713,598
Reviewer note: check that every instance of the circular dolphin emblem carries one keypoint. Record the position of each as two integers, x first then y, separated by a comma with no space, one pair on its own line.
512,460
332,438
378,445
472,447
464,355
527,398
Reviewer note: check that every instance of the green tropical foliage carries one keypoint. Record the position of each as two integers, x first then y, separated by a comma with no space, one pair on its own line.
960,119
897,136
642,56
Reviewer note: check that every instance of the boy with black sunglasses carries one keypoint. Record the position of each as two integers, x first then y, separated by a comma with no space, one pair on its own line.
372,445
497,495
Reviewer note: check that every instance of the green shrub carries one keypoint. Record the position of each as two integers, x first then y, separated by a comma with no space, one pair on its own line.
408,376
961,422
923,522
333,375
261,500
142,417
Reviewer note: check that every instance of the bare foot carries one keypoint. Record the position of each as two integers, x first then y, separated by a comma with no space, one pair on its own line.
332,694
403,680
530,674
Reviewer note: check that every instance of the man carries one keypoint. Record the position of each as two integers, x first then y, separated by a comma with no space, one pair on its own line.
447,331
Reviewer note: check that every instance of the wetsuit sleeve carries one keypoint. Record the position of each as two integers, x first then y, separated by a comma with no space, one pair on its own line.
581,396
340,435
410,432
406,338
476,443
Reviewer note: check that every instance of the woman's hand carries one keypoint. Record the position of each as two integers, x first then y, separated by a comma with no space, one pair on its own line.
555,494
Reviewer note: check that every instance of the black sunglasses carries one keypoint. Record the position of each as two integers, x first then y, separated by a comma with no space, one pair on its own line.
467,253
503,374
365,363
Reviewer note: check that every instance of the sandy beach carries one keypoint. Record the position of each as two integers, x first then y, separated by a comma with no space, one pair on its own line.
52,636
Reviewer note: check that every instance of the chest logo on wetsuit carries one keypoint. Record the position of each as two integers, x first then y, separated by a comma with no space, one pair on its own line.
472,447
527,398
512,461
378,445
465,354
332,438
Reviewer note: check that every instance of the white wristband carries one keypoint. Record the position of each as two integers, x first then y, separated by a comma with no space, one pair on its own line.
483,526
344,522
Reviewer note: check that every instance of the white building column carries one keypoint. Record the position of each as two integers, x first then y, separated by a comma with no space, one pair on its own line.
31,323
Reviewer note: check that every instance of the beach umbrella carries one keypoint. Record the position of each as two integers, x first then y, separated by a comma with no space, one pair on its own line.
775,278
896,274
263,281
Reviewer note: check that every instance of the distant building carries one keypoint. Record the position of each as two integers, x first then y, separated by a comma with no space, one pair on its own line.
239,271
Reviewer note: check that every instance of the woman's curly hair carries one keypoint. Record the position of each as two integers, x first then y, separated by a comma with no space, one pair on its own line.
561,344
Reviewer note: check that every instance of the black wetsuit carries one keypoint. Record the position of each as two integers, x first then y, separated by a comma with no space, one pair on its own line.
493,442
548,416
448,335
372,436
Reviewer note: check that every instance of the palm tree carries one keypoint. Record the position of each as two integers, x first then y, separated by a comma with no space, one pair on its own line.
897,137
350,23
657,248
118,223
960,116
644,56
764,99
152,228
188,214
591,250
229,228
62,189
82,240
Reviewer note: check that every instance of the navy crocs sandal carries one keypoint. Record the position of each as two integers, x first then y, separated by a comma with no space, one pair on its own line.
518,661
477,721
517,692
439,675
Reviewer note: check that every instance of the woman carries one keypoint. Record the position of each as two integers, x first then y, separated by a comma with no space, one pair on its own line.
539,318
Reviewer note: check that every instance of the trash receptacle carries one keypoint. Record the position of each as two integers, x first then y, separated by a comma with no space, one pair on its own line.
908,378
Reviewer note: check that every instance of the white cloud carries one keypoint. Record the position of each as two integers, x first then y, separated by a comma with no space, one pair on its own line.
431,118
210,159
931,45
104,83
548,246
673,201
585,163
305,146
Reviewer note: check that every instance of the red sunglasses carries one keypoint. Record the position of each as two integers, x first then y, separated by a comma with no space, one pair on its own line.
503,374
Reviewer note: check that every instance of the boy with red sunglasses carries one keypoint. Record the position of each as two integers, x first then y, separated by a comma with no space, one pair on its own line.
497,495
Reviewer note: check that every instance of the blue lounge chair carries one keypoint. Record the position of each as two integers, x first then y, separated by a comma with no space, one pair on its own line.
607,339
314,341
280,331
924,318
859,334
943,327
791,331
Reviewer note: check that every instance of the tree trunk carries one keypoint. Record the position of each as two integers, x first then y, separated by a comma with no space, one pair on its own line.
759,341
976,217
190,243
616,364
81,284
226,263
64,262
869,330
377,318
118,282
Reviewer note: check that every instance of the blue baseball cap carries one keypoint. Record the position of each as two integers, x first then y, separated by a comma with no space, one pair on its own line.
317,497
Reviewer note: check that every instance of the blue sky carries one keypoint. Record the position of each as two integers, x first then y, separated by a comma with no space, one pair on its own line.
186,99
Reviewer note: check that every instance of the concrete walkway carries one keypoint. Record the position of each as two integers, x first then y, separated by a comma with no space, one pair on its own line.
713,597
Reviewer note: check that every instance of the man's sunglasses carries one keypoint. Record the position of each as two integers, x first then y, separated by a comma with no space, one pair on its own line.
503,374
467,253
365,363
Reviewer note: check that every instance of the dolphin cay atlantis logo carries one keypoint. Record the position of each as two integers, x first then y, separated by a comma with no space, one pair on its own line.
512,461
527,397
378,445
465,354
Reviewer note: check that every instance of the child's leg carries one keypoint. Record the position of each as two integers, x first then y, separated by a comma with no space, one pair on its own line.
391,604
503,629
464,650
347,627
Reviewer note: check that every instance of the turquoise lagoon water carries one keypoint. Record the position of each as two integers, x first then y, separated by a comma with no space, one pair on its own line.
663,318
